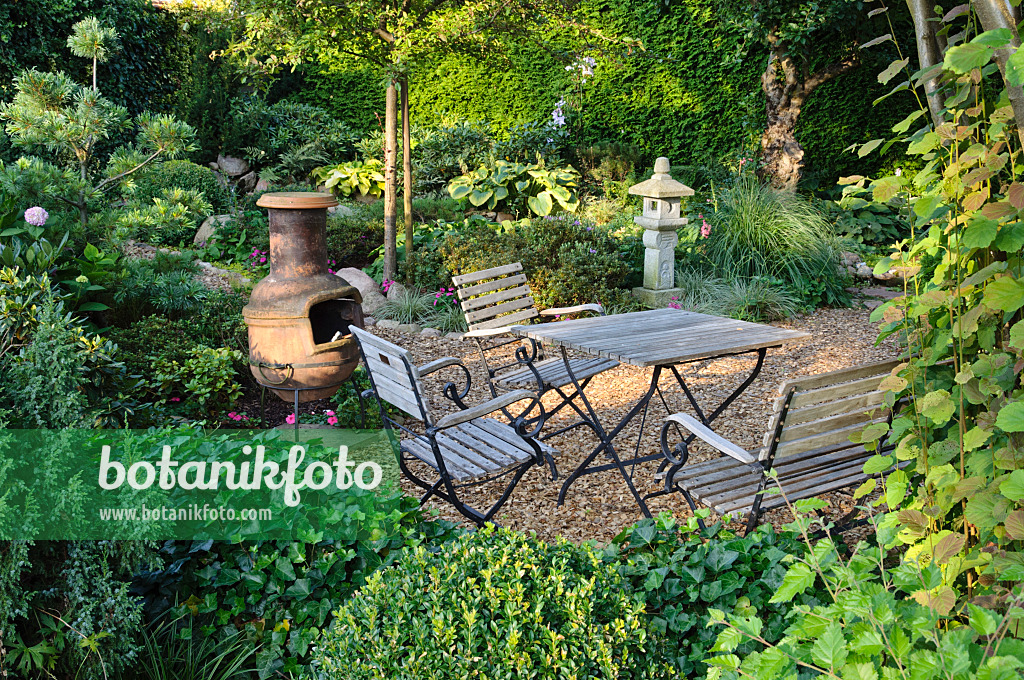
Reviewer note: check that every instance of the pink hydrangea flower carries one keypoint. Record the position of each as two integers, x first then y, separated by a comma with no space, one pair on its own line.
290,419
36,216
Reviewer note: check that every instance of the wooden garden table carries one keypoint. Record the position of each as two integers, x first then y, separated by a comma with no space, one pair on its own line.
662,339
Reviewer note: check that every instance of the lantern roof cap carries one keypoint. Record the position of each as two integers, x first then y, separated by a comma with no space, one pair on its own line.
661,184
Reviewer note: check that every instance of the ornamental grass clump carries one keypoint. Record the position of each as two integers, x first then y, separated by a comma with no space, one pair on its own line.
494,604
756,231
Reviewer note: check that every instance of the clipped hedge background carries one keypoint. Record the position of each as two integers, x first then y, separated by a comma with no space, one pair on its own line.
686,97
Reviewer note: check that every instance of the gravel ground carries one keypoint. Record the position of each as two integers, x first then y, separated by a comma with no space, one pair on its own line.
598,506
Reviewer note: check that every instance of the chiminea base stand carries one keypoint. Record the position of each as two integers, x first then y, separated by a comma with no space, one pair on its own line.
295,397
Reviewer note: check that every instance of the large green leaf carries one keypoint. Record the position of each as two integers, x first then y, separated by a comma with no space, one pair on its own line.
459,191
541,204
1006,294
937,405
1011,417
478,197
965,58
829,650
980,232
891,70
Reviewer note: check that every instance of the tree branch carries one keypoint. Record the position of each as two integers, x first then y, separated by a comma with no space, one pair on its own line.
830,72
99,187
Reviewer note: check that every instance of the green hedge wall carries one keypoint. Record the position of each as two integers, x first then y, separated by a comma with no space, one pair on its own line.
687,96
143,75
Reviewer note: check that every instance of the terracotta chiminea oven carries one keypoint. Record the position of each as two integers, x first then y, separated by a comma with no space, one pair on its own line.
300,345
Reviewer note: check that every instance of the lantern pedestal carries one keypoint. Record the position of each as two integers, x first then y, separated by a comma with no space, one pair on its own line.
660,220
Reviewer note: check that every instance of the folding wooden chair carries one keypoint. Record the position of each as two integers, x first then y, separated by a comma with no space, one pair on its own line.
807,446
497,298
464,448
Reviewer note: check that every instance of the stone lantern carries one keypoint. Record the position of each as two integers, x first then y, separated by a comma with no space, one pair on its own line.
660,219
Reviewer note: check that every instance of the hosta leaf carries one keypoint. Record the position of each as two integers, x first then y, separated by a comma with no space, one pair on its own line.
459,192
541,204
478,197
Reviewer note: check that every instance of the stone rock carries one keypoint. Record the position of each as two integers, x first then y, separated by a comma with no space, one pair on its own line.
233,167
864,271
850,259
247,183
886,276
369,321
410,328
851,270
209,227
872,303
341,210
262,185
885,293
373,299
396,290
430,333
213,166
455,336
388,324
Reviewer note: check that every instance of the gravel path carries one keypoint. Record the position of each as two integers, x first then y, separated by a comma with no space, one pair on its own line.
600,505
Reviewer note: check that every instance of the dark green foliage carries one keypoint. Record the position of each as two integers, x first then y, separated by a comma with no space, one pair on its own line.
280,595
181,174
264,132
142,290
351,239
447,151
683,573
686,96
142,75
498,604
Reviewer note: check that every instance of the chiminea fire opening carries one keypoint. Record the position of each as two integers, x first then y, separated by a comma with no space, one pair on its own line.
299,316
331,318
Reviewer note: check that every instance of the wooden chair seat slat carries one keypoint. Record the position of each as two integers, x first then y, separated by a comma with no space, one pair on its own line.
554,374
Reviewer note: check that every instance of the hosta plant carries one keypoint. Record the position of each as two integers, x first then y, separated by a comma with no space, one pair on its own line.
505,186
355,177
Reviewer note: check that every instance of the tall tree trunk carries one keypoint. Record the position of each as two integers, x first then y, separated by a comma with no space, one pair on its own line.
995,14
407,176
786,88
930,48
390,175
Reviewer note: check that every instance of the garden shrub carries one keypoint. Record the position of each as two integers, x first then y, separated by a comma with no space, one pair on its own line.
142,290
171,218
756,231
496,604
447,151
351,238
182,174
206,382
280,594
566,261
683,573
263,132
877,620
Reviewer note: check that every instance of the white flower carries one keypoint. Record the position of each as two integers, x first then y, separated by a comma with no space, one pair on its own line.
899,171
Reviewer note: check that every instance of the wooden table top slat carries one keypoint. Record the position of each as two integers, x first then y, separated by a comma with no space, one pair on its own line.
659,337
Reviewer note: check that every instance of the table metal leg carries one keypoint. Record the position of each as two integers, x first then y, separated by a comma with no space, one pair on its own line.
641,406
606,438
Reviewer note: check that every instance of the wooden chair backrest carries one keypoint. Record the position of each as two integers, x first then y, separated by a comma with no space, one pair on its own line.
826,409
393,374
495,297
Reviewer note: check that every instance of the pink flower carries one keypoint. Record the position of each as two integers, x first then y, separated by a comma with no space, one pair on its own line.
175,398
330,413
36,216
232,415
332,421
705,229
290,419
262,260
